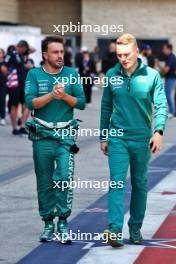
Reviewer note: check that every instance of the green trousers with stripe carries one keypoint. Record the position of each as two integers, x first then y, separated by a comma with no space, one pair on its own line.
121,154
54,163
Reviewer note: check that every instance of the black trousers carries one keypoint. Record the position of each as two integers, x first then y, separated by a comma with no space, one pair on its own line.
88,92
3,92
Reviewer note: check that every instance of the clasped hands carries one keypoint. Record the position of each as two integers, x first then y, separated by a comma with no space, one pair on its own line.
58,92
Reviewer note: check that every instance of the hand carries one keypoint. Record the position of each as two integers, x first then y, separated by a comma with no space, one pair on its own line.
58,92
104,147
156,141
29,66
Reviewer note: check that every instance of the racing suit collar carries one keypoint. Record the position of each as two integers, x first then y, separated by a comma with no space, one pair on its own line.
120,70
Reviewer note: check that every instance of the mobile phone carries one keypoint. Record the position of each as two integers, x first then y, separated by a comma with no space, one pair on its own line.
151,145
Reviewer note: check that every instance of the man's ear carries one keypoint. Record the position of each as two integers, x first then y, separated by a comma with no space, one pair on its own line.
44,55
137,50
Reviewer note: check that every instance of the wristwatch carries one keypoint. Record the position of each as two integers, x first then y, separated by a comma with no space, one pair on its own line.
160,131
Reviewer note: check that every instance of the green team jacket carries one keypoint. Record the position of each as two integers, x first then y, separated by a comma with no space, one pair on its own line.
127,103
39,82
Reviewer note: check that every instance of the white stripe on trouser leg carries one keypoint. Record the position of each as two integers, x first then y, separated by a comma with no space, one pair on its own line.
70,179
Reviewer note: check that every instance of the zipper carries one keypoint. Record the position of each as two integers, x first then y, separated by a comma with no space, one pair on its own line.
129,84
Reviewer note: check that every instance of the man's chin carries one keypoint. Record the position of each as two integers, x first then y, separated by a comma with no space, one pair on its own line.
126,67
58,65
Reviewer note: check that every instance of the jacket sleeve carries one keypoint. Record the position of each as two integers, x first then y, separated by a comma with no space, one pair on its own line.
31,89
160,103
106,112
79,93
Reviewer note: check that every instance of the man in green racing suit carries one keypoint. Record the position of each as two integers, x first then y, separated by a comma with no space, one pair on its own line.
127,105
52,105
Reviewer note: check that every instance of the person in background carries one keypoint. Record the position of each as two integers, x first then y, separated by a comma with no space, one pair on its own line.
110,58
10,49
78,59
142,54
28,64
68,56
3,87
87,71
95,55
16,79
151,59
169,72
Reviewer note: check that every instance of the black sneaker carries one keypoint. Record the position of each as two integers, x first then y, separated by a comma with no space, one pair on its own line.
16,132
19,122
136,236
115,239
23,131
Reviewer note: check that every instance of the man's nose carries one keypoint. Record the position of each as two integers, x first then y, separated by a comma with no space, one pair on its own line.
123,58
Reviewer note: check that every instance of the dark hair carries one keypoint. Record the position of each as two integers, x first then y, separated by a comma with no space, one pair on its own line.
3,52
169,46
23,43
10,48
51,39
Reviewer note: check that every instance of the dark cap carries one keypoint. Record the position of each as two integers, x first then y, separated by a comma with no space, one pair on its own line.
145,47
23,43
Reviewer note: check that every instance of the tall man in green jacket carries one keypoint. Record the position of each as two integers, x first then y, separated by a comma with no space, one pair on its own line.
127,104
53,148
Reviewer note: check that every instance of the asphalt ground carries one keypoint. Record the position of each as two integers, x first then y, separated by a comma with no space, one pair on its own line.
20,223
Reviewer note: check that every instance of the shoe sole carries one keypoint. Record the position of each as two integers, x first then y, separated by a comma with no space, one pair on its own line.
112,242
62,241
44,240
66,242
136,242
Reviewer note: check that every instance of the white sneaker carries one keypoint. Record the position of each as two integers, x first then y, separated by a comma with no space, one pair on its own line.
89,105
170,115
3,122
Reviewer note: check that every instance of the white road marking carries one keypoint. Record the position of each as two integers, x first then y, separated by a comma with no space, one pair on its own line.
158,207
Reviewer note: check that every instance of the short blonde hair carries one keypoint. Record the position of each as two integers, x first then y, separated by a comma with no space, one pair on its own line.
126,39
